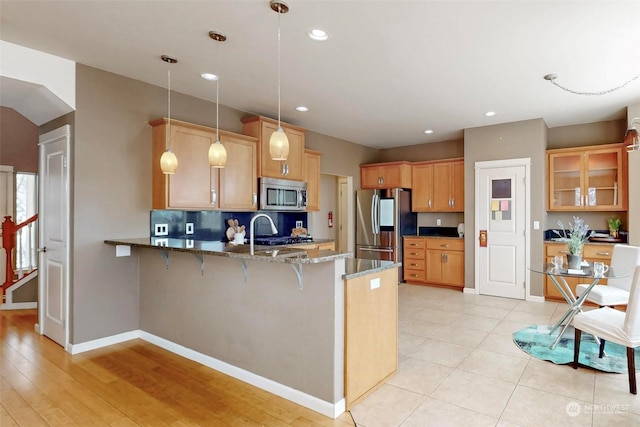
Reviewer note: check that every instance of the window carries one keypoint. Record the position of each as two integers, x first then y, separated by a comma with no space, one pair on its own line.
26,207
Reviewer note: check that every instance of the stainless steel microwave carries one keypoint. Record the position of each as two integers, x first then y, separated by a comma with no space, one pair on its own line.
283,195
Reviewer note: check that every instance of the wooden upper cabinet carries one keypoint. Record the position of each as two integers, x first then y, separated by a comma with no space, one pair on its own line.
196,185
438,186
587,178
312,177
385,175
422,182
262,128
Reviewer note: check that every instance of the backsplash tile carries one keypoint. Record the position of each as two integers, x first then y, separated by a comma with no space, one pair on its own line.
212,225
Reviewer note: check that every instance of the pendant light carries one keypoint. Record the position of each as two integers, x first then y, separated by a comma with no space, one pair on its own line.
217,152
168,160
279,143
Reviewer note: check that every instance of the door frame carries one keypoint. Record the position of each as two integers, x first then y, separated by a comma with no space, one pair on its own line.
54,136
492,164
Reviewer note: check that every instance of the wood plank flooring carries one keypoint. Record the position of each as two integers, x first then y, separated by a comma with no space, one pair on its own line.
130,384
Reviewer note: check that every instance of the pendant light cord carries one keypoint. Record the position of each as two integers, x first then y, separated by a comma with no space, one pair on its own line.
279,13
552,77
217,89
169,107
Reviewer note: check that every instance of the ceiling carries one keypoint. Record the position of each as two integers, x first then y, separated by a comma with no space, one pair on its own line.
389,71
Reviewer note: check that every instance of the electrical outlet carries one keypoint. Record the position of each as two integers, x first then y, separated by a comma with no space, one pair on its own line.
438,221
161,230
298,224
189,228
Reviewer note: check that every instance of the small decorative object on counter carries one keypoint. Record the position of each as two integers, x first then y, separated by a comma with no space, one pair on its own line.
575,237
614,227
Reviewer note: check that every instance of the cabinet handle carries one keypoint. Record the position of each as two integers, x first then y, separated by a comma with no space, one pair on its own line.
446,258
453,202
414,253
413,244
214,197
255,199
429,203
604,253
445,245
414,265
564,252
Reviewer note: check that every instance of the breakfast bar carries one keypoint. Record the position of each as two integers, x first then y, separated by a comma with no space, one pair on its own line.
275,319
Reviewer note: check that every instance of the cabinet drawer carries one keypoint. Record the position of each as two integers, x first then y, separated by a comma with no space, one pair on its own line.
413,275
446,244
411,253
414,264
411,243
597,251
556,249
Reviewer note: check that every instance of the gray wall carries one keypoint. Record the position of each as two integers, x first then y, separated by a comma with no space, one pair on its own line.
112,188
526,139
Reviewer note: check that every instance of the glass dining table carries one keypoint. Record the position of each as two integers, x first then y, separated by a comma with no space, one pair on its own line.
558,276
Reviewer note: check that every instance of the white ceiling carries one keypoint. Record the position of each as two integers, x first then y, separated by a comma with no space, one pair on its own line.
390,69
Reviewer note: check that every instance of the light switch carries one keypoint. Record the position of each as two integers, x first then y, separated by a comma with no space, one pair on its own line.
536,225
123,250
374,283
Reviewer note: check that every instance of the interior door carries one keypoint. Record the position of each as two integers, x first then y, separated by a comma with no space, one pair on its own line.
502,217
54,234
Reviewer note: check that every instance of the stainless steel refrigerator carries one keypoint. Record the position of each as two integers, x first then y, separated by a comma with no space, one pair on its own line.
383,217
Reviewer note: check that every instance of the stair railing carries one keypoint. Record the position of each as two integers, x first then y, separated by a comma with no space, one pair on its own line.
17,241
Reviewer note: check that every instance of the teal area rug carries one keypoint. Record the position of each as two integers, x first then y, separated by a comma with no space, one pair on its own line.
536,341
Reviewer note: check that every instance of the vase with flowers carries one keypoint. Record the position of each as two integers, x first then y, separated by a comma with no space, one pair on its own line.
575,236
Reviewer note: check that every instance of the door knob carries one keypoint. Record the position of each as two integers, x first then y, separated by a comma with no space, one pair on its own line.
42,249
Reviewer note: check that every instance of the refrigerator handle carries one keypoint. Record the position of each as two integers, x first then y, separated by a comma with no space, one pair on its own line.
377,214
373,214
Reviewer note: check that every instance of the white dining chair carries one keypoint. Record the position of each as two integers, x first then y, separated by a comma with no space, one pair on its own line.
613,325
623,261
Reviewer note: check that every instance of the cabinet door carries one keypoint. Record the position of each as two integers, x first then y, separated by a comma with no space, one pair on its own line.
192,184
391,176
453,268
238,187
457,187
370,177
434,266
604,187
312,177
441,187
422,193
292,168
565,181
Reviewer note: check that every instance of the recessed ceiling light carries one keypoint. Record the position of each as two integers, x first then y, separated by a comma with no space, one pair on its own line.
209,76
428,131
302,108
490,113
318,35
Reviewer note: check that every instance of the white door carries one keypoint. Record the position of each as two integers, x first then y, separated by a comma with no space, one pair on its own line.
342,215
6,209
502,215
54,234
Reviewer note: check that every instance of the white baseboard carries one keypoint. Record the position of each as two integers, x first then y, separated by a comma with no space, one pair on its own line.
535,298
469,290
18,305
332,410
103,342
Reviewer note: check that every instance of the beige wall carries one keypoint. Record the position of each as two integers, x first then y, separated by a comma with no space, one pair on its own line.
608,132
526,139
112,182
420,152
18,141
633,225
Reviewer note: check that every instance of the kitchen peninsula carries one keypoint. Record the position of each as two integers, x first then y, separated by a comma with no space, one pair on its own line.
300,325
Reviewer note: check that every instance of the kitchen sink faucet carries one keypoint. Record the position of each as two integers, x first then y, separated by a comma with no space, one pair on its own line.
274,230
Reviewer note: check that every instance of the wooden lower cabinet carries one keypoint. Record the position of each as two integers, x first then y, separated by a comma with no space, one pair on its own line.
438,261
591,253
371,333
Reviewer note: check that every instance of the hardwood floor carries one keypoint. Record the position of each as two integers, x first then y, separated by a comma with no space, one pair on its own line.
129,384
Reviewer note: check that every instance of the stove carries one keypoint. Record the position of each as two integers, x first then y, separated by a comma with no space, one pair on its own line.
281,240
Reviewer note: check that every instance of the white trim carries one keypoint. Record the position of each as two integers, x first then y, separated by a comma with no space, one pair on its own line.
473,290
103,342
526,162
535,298
18,305
328,409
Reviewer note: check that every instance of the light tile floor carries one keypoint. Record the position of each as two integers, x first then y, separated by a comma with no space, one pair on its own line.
458,366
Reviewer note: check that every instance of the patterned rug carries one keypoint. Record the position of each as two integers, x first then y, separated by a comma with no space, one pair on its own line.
536,341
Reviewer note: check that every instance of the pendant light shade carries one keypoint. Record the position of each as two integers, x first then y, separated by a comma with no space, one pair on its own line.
631,136
279,143
217,152
168,160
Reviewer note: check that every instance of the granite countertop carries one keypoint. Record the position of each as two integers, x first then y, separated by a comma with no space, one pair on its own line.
356,267
288,254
